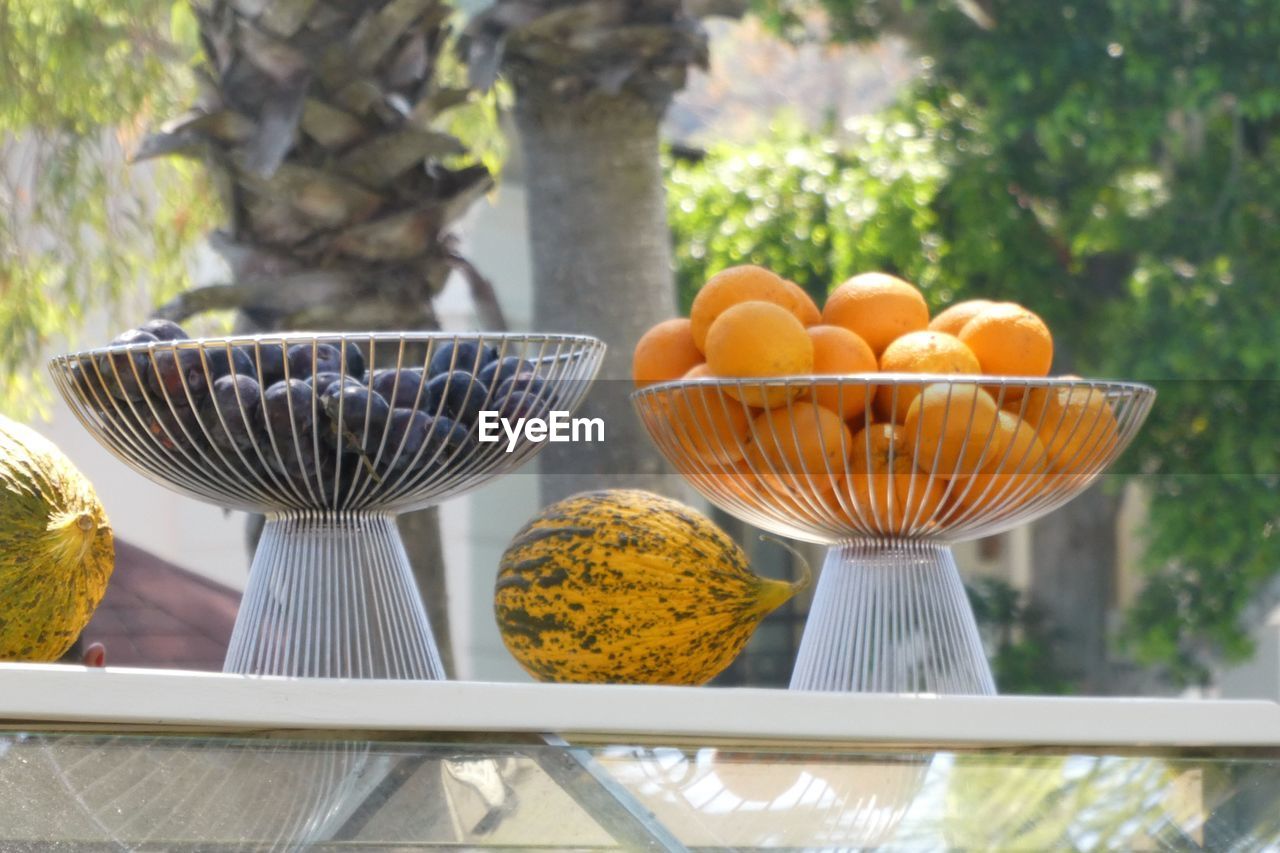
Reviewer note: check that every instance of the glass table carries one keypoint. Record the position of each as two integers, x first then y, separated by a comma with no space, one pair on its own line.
138,760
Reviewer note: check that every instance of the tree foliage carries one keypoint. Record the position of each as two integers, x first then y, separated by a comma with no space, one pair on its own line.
78,229
1112,164
810,207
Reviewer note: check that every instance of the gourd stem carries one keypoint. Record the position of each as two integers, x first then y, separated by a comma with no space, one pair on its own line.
805,580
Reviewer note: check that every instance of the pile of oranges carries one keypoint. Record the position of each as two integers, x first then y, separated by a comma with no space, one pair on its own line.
887,455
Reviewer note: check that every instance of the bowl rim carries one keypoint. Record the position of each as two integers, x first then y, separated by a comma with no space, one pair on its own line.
224,341
891,379
115,423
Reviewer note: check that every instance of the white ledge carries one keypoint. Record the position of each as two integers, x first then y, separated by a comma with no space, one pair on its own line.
65,695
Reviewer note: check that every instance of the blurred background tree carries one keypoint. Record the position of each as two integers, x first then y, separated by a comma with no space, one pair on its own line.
1113,166
78,229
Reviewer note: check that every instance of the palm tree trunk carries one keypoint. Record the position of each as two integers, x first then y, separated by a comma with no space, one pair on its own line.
593,79
601,261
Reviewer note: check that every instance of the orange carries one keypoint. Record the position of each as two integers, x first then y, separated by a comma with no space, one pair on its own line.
736,482
884,491
953,319
758,340
730,287
919,352
737,485
951,427
774,501
803,306
1009,340
741,484
1036,406
664,352
799,448
1076,425
1011,478
876,307
837,350
711,426
1032,405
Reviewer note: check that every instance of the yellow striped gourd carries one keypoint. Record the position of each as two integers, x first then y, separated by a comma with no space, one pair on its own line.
626,586
56,548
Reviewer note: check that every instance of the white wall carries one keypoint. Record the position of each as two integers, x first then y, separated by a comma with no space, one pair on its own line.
1258,678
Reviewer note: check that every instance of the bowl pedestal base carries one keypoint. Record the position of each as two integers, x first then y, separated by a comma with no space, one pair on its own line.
891,617
332,595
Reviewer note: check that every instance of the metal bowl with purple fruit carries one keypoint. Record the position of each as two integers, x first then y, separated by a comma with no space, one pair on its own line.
330,436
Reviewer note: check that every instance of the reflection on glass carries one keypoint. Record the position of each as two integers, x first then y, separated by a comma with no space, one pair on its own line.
954,801
276,793
96,792
485,778
717,798
1073,802
143,791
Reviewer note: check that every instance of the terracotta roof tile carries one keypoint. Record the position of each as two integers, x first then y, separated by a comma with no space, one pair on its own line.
156,614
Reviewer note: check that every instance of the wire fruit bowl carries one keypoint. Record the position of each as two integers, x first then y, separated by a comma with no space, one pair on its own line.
330,436
927,460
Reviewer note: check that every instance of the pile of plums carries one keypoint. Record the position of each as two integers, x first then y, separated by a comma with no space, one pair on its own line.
311,412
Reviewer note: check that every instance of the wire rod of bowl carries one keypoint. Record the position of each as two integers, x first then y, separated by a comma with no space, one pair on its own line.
926,460
330,436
